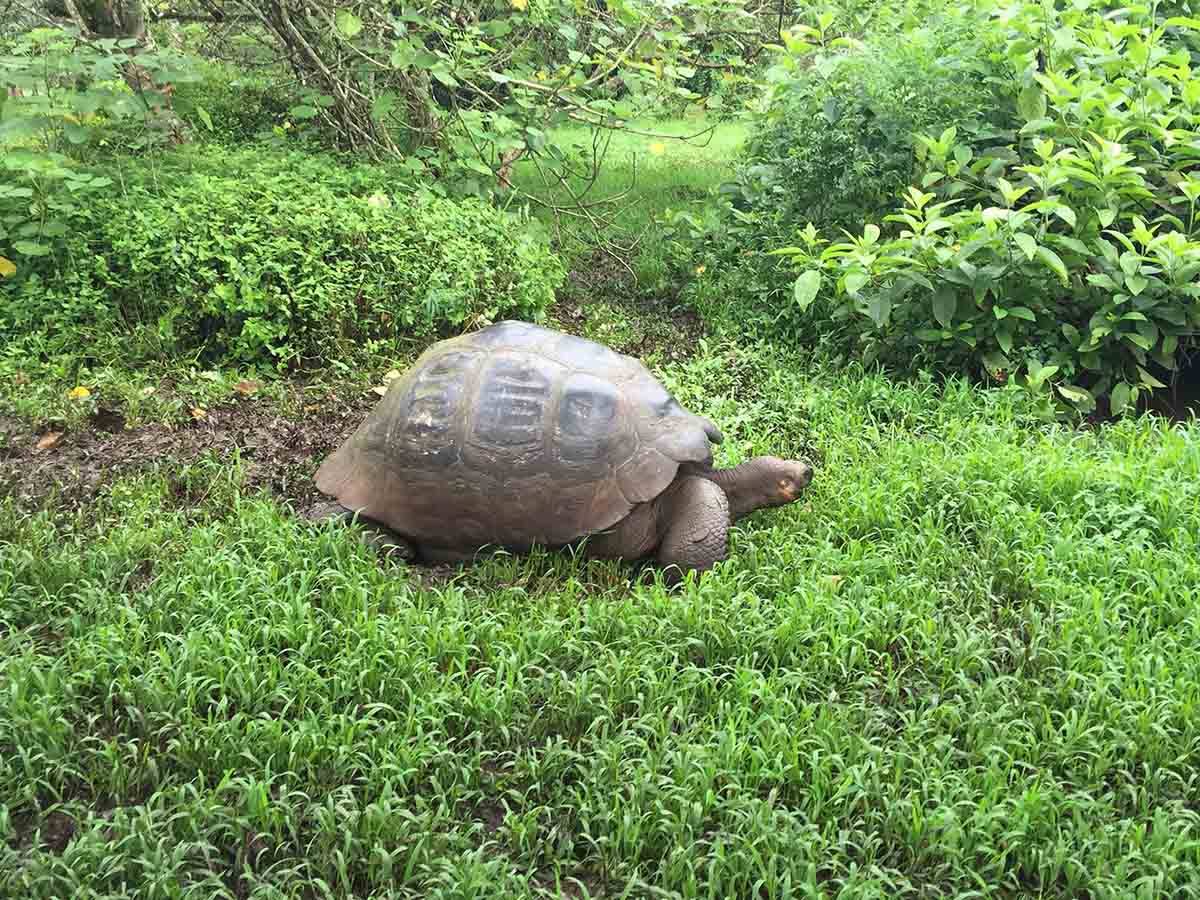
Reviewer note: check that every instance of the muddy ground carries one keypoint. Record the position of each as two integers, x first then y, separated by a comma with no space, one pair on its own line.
279,450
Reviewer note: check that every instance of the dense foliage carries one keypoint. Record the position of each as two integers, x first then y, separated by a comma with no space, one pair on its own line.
282,260
1065,256
836,141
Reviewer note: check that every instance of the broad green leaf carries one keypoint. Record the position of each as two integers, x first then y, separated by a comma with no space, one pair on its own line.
996,362
1004,339
1073,244
1022,312
204,117
944,304
1106,217
1136,284
1120,397
382,105
1027,244
1031,102
1149,380
880,307
1101,280
1077,395
348,23
806,288
1053,262
855,280
29,248
1066,214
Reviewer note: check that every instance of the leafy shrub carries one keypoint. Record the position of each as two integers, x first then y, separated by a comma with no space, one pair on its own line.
58,93
231,106
1067,257
281,266
836,141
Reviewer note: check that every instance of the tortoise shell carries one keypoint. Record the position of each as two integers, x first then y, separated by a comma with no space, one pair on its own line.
512,436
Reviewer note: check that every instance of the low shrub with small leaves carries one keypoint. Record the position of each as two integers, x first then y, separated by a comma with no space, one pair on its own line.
231,106
835,143
1067,257
280,266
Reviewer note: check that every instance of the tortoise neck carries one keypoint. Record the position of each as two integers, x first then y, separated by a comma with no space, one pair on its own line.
742,484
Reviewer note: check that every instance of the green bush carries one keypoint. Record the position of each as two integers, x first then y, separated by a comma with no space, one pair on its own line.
1068,257
231,107
284,266
836,142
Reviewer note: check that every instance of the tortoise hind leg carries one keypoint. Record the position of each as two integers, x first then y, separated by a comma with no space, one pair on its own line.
694,525
447,556
375,535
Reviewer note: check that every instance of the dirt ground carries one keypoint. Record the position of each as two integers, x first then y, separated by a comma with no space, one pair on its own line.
280,451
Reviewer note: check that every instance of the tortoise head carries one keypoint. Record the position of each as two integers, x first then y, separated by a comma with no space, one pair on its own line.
762,482
782,480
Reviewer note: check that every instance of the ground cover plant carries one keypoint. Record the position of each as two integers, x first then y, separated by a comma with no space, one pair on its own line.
964,665
282,267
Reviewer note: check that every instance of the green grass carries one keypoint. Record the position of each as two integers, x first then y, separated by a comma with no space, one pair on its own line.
968,666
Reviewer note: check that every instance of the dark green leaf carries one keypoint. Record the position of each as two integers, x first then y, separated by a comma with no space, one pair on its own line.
944,304
1120,396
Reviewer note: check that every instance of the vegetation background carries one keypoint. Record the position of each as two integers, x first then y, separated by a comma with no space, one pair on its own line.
945,249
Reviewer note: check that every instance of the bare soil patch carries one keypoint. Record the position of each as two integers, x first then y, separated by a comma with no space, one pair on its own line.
279,451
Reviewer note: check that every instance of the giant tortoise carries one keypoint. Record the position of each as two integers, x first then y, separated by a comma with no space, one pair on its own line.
517,436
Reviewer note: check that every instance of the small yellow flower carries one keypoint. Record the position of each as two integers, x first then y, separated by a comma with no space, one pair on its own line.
80,393
700,270
658,148
520,5
7,267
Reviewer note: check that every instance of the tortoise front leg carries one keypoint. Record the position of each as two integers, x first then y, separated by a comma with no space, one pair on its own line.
694,523
685,527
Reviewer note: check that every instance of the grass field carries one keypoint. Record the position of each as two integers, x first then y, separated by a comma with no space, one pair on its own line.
968,665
